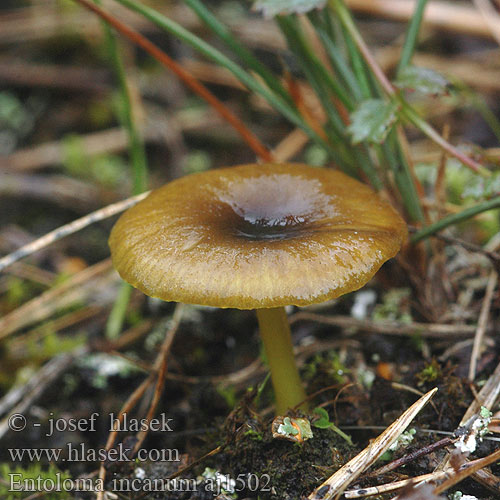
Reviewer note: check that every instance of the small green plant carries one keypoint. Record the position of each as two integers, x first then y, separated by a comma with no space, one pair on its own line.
13,475
254,435
431,372
323,422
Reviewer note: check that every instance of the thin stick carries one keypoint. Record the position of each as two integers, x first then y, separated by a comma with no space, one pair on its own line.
465,472
410,457
76,289
396,485
197,87
129,404
482,323
159,373
67,229
160,367
486,397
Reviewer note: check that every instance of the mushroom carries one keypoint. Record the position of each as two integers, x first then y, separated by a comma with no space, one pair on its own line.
258,236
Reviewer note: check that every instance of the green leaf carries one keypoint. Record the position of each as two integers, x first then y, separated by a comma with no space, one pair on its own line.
456,218
324,420
324,423
424,80
271,8
372,120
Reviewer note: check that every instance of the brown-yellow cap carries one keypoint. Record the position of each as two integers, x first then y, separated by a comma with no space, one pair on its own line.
256,236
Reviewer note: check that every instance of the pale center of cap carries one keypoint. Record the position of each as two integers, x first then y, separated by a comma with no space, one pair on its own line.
276,206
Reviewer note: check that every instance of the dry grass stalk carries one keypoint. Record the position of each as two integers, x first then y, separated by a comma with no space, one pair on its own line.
396,485
78,288
339,481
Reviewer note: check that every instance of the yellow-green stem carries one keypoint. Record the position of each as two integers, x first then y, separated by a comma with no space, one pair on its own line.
275,334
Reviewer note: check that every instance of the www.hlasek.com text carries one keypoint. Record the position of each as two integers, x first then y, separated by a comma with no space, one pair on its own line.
80,453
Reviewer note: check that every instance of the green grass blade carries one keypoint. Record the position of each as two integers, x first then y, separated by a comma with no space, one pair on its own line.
412,35
358,66
216,56
324,85
138,160
135,142
336,59
291,29
240,50
450,220
402,176
392,148
136,145
116,318
279,104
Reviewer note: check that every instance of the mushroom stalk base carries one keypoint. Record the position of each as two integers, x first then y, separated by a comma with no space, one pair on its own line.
275,334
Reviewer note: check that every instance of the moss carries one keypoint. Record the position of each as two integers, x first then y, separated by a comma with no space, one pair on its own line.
431,372
13,475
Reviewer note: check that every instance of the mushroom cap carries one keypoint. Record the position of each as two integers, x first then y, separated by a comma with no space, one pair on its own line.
256,236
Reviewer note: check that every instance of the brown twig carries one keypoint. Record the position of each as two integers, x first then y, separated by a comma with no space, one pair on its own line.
396,485
410,457
295,90
490,17
60,190
196,462
197,87
53,326
160,366
467,471
486,397
74,78
494,257
129,404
